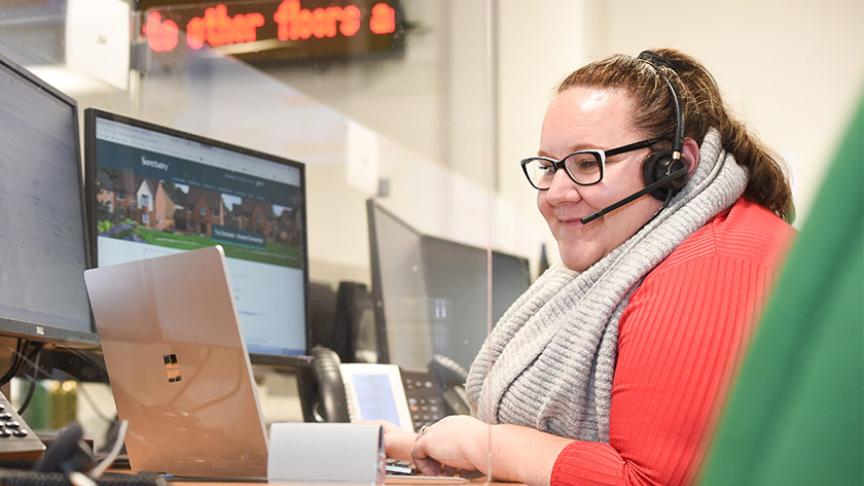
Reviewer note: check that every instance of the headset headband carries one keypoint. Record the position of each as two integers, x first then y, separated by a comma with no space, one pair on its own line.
656,60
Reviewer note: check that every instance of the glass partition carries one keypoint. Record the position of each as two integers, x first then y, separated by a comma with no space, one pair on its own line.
391,107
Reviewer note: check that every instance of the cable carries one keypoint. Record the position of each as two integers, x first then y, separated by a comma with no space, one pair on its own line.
93,405
84,356
77,478
83,391
97,471
37,351
17,353
13,362
74,477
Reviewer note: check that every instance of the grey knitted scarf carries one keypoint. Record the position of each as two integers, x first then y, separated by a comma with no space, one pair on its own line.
549,362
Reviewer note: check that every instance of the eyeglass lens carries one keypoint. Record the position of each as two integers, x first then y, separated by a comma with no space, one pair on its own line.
582,167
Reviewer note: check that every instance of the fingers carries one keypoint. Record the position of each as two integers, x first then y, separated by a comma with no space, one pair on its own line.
429,467
439,448
399,443
425,464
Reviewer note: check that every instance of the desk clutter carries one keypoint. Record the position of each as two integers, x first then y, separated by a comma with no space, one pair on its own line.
68,460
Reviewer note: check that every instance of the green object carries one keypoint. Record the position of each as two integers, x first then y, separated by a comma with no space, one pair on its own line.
796,413
53,406
37,414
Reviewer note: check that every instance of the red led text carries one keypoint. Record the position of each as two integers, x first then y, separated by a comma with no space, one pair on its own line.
215,26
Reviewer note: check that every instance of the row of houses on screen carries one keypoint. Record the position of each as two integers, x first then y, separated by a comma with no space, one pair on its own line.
165,206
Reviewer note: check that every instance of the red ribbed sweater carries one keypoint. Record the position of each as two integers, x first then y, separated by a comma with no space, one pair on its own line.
680,339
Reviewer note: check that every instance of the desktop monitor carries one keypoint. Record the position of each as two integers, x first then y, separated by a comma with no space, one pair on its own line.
154,191
431,293
399,290
43,241
457,282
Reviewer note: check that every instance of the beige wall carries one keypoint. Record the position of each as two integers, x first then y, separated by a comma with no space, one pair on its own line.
792,70
539,43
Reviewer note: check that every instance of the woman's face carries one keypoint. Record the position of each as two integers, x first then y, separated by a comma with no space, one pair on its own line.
598,118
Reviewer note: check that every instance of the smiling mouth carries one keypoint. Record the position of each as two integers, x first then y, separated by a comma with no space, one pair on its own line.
570,221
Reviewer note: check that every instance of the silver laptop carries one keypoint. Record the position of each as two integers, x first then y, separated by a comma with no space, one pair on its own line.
178,366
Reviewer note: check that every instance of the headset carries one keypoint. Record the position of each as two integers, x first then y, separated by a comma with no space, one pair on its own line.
663,172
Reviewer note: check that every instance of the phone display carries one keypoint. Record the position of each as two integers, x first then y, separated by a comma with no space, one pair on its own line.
375,392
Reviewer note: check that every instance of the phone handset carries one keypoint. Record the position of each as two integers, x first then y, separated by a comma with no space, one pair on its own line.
332,404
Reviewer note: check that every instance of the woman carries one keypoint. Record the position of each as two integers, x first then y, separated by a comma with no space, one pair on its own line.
613,366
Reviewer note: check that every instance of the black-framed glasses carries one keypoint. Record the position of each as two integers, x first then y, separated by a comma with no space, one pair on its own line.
584,167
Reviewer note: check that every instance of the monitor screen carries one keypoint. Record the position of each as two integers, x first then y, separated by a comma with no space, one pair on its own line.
431,293
457,282
399,290
155,191
43,242
511,277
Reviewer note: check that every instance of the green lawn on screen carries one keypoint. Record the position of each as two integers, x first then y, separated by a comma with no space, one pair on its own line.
272,253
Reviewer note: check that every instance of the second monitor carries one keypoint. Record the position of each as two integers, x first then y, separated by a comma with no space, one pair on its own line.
431,293
153,191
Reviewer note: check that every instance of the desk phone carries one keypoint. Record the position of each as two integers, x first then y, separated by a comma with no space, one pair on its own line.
408,398
18,444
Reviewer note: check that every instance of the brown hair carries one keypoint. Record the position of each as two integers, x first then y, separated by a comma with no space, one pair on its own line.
702,108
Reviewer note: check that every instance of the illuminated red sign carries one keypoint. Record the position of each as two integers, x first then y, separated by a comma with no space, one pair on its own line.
161,35
217,28
302,23
310,28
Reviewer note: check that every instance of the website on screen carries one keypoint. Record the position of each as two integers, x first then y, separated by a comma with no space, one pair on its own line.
158,194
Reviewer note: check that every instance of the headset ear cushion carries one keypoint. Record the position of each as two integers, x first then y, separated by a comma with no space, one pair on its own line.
654,168
659,164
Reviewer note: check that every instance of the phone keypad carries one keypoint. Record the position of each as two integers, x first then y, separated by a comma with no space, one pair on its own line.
15,436
424,398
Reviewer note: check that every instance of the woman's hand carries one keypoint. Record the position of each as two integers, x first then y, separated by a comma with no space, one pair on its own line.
457,442
397,442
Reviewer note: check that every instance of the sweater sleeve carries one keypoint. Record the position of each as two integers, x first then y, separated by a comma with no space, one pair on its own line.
680,339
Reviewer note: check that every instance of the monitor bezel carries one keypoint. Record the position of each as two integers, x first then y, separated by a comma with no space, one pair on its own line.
90,117
381,339
37,331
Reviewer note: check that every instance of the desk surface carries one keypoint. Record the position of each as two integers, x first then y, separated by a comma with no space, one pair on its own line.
400,480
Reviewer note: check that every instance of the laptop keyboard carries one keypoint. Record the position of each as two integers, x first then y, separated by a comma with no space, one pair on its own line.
398,467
